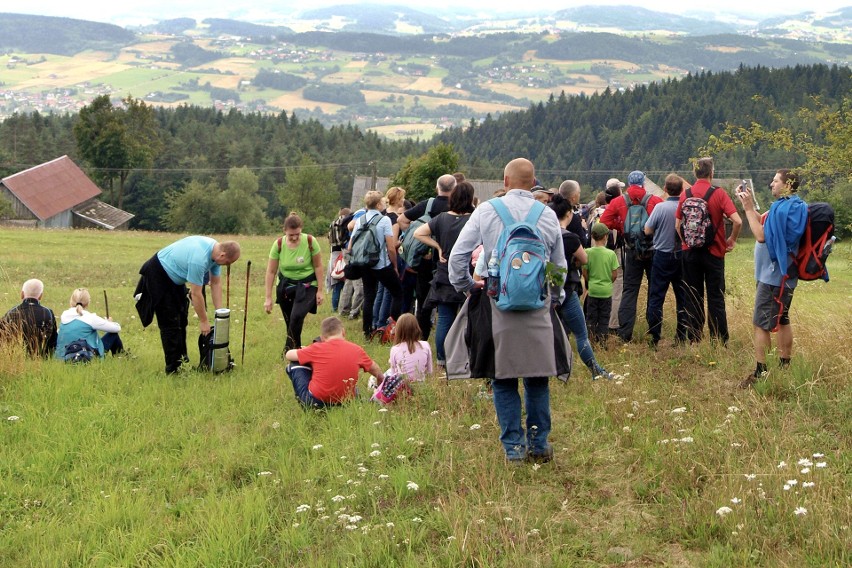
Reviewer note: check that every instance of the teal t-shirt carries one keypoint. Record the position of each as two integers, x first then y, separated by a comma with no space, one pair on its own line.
602,261
189,260
296,263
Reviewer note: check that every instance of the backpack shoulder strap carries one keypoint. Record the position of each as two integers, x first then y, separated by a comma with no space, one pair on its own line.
502,211
310,245
535,212
429,206
709,193
279,244
627,200
688,192
646,199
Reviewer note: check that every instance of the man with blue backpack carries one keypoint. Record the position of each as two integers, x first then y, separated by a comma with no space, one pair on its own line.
628,215
514,327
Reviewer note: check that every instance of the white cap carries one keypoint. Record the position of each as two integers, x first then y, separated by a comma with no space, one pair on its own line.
612,182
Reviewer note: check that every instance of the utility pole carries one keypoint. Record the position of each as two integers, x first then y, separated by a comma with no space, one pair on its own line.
373,178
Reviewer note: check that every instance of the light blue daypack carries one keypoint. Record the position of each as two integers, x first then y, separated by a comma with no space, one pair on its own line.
523,257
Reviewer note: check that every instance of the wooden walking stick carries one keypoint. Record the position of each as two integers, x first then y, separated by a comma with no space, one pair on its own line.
245,314
228,287
106,304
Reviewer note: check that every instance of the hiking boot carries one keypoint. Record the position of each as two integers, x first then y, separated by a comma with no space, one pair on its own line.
751,380
541,457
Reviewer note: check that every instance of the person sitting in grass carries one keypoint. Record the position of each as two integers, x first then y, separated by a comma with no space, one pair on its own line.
410,355
325,372
30,322
78,323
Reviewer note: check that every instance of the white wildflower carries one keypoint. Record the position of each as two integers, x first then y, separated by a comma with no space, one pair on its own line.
412,486
276,425
377,422
750,476
679,410
303,508
821,464
375,445
375,453
536,466
626,429
338,498
264,473
383,409
805,462
509,519
533,532
390,525
451,537
401,457
805,470
629,415
13,418
782,465
733,409
722,511
786,487
736,500
416,520
411,439
800,511
351,527
384,476
475,426
434,413
819,455
317,447
808,484
687,440
792,482
736,445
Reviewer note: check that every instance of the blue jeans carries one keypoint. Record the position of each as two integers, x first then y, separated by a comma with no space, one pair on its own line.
665,270
112,343
381,307
507,403
336,288
300,376
446,317
572,316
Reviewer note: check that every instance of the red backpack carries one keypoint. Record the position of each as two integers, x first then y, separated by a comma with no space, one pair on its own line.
816,243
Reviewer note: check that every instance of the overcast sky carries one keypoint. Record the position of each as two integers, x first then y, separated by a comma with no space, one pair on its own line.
125,12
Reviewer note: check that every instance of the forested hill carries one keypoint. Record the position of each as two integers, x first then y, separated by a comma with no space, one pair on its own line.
655,127
61,36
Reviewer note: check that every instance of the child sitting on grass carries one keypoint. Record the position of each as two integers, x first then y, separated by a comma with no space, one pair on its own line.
410,355
327,370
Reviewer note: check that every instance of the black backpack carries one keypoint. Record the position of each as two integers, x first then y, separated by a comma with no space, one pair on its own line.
338,233
78,351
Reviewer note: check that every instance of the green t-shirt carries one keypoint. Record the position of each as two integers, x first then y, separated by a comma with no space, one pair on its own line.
602,261
296,263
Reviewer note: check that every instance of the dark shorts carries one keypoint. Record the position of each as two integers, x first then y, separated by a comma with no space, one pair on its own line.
772,306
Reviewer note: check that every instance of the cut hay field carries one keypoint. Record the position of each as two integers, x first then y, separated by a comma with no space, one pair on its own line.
116,464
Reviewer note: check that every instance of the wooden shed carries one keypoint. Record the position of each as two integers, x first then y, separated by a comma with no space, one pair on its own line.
59,195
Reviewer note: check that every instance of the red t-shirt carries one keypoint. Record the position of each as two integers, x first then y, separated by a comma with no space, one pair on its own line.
336,364
615,213
720,205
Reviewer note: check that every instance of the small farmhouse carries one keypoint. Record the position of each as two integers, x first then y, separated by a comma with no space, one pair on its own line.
59,195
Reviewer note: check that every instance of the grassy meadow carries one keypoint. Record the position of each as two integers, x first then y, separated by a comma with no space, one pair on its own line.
116,464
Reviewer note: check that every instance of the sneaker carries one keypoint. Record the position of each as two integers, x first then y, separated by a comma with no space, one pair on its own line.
603,374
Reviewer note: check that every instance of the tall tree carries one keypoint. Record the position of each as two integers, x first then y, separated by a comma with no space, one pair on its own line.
419,175
115,140
310,189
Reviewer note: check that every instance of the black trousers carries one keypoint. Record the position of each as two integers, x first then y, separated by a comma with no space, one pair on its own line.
425,273
295,308
171,306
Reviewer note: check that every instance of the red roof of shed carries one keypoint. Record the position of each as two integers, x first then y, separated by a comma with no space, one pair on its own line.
52,187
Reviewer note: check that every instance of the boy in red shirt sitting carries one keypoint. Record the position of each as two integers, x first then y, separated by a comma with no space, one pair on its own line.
325,373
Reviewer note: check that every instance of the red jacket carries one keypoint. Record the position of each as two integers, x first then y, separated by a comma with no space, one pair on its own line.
616,212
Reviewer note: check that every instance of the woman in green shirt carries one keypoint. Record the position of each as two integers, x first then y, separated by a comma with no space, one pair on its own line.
297,259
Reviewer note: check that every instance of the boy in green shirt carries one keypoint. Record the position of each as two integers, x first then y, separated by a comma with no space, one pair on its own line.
599,273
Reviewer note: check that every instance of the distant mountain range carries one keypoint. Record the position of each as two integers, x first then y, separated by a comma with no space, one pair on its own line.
44,34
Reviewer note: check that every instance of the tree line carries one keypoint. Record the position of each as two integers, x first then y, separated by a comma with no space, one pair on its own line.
183,167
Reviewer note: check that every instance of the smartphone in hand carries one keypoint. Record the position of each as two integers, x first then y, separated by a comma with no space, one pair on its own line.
750,191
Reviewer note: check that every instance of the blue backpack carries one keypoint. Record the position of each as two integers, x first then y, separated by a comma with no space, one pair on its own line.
78,351
522,256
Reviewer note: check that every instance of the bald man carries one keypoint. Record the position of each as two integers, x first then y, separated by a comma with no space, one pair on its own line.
33,323
513,344
161,291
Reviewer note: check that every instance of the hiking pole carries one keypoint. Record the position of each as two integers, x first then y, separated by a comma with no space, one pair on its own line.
228,287
245,314
106,304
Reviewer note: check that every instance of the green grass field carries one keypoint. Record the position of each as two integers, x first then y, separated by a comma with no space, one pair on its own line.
117,464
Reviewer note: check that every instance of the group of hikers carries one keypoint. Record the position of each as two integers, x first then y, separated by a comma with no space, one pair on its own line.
506,281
